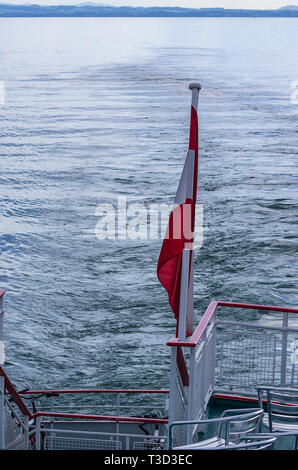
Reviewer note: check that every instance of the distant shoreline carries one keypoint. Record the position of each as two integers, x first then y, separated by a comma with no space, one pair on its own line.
93,11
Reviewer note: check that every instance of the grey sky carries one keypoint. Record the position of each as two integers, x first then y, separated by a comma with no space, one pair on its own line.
248,4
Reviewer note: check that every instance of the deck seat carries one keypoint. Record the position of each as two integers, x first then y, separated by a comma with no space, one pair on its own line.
282,410
213,442
232,427
255,442
279,426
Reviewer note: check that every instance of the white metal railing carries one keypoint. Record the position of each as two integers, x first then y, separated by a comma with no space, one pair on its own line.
123,402
120,410
16,429
15,415
74,443
14,425
14,419
232,356
222,355
52,438
202,364
190,402
178,396
254,354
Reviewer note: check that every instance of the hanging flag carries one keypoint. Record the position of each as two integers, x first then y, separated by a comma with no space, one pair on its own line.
181,225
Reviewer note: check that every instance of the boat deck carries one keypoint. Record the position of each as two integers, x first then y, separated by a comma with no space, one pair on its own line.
218,368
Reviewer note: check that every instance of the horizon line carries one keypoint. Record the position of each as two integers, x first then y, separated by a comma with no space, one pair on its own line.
106,5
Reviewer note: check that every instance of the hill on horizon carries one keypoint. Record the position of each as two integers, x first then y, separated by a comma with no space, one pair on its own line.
91,9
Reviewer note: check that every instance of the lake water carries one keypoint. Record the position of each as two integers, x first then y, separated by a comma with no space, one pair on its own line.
96,108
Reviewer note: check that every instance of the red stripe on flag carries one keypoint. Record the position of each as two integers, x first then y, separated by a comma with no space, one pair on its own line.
194,145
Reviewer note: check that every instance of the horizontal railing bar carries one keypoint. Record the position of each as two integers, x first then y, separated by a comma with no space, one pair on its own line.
272,308
220,394
100,433
30,392
277,389
254,325
101,406
176,342
99,417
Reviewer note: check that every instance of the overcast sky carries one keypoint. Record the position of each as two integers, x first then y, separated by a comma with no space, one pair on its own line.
248,4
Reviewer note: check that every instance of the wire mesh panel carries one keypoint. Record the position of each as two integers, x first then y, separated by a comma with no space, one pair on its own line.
76,443
294,376
14,437
178,405
153,444
181,410
201,378
202,374
245,359
292,360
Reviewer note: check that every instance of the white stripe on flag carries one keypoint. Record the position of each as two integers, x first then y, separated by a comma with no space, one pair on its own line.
185,188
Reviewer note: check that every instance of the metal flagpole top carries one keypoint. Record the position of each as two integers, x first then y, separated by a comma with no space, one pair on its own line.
191,86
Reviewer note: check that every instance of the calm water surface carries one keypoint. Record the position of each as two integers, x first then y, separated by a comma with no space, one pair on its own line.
97,108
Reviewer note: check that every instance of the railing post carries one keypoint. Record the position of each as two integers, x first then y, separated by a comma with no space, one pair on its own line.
183,295
117,412
172,404
284,350
118,404
26,432
213,358
190,415
52,404
2,411
37,434
203,375
52,410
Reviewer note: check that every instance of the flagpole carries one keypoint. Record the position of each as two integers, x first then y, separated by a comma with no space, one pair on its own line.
195,90
183,294
186,303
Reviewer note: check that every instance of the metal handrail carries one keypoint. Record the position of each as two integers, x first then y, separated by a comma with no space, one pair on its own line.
270,308
277,389
74,391
210,312
73,432
99,417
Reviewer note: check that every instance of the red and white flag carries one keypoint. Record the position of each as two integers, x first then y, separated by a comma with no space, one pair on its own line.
181,226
